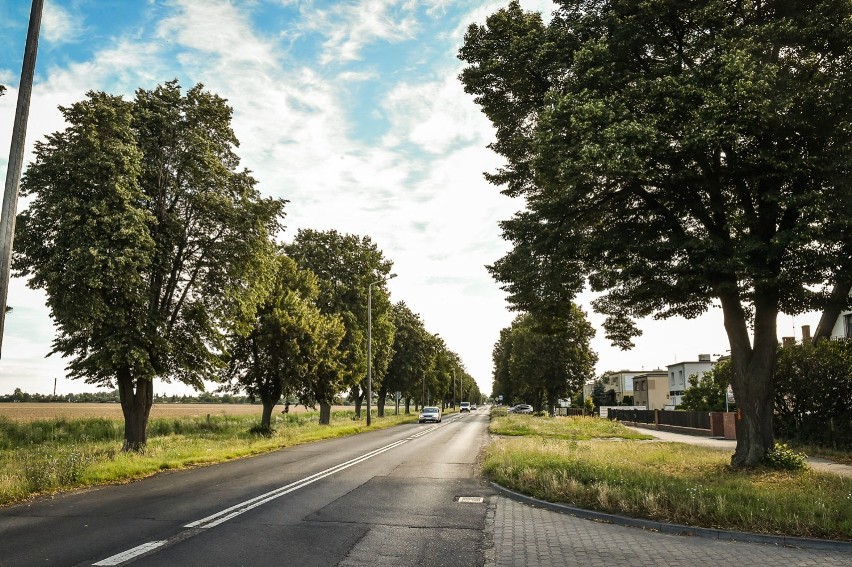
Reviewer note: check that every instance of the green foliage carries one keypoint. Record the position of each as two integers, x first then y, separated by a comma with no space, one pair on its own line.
674,155
290,348
589,405
574,428
48,467
599,394
413,353
664,148
783,458
813,393
708,393
543,359
262,430
146,238
345,265
674,483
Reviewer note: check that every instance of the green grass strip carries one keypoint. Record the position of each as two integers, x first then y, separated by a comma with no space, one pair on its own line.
669,482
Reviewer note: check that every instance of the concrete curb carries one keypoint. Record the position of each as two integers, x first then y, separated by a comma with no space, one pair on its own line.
677,529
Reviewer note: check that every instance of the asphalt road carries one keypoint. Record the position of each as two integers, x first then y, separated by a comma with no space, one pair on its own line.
400,496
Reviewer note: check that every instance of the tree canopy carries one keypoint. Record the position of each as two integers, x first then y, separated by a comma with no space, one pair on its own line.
291,348
675,156
146,238
345,265
541,360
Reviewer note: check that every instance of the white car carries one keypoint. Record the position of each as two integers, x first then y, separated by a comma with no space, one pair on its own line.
430,414
464,407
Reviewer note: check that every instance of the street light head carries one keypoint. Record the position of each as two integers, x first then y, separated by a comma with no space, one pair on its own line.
391,276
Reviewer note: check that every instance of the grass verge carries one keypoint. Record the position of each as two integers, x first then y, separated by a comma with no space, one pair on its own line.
47,456
613,472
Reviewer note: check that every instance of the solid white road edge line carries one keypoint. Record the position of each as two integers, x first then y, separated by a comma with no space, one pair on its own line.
119,558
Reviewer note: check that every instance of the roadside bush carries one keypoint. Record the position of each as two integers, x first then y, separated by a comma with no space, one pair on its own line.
813,393
783,458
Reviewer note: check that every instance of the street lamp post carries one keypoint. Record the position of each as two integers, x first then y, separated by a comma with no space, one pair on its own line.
370,344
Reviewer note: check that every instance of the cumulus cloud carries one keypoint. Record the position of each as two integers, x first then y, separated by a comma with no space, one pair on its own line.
59,25
350,26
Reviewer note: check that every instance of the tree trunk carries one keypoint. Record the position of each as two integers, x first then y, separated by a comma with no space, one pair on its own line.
266,416
380,403
325,413
752,377
137,396
270,394
407,406
358,396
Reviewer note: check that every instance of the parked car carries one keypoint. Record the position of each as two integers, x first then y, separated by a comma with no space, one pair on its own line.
430,414
464,407
521,408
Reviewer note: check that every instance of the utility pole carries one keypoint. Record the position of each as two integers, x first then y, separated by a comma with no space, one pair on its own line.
16,158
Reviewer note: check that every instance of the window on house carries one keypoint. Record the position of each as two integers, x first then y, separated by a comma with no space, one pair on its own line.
847,325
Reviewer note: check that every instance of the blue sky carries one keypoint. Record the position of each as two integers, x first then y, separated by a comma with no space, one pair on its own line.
352,111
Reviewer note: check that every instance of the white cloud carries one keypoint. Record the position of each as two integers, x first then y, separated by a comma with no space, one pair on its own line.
216,28
350,26
58,25
435,116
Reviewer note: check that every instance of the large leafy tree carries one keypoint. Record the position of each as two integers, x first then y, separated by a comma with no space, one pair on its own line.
545,359
147,240
674,156
345,264
291,348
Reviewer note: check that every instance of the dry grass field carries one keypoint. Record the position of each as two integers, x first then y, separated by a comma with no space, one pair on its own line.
32,411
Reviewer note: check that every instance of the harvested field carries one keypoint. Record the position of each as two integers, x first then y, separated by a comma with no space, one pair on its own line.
33,411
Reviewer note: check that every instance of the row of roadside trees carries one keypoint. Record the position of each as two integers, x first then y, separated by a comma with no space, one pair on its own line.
160,258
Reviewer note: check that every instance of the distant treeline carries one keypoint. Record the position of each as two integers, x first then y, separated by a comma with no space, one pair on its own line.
111,397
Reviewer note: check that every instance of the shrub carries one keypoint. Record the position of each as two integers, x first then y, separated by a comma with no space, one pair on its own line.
262,430
813,393
783,458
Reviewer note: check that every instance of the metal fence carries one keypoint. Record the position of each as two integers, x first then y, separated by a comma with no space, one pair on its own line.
693,419
835,432
635,415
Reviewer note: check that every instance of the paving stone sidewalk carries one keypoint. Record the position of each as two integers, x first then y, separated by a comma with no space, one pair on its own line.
528,536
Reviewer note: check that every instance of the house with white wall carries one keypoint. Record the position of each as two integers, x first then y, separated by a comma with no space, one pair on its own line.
843,327
619,384
679,374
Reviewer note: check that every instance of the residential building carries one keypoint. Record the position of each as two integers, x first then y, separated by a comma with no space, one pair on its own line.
843,326
619,384
679,374
651,389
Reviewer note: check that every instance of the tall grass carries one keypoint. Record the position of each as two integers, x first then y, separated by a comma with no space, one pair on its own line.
669,482
58,454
